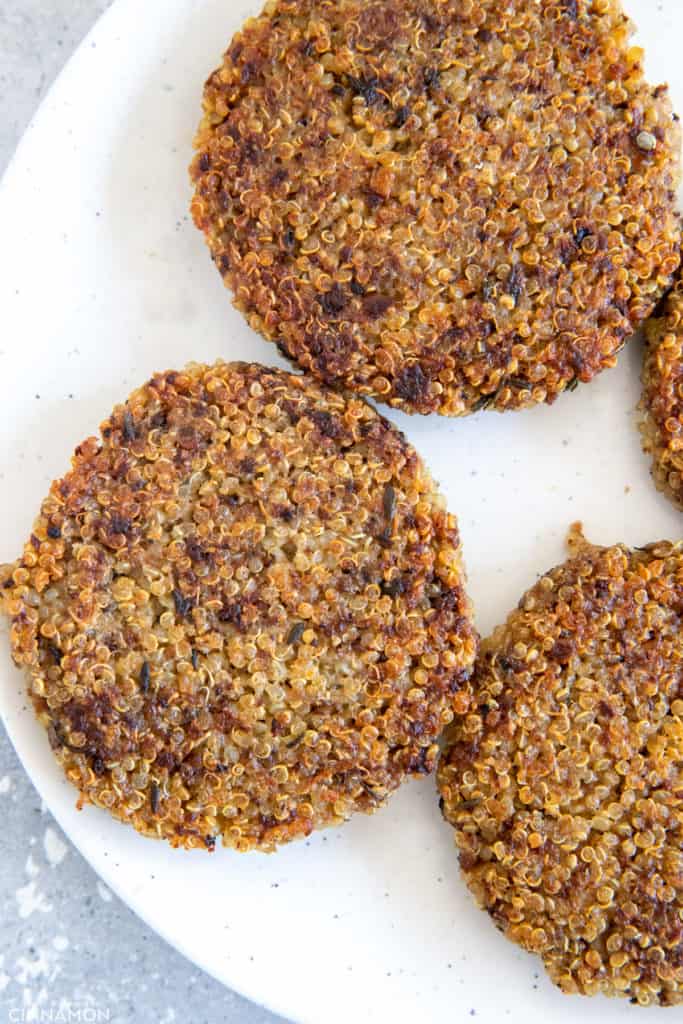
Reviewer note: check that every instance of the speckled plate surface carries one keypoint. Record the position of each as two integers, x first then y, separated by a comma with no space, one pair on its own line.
104,280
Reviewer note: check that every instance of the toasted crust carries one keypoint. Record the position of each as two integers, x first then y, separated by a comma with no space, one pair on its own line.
241,613
564,782
662,402
443,205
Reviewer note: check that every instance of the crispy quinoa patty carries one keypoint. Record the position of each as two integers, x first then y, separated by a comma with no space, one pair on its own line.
564,784
662,402
242,612
440,203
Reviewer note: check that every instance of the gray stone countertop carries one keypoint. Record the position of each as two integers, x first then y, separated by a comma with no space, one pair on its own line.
68,946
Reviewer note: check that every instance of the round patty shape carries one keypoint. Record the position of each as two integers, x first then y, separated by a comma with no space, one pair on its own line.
445,205
662,401
242,612
564,783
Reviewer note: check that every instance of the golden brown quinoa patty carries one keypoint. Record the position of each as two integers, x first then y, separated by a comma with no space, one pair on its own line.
442,204
242,612
662,401
564,783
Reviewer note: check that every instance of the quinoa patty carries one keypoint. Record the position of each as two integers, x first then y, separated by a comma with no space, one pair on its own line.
241,613
564,783
662,401
445,205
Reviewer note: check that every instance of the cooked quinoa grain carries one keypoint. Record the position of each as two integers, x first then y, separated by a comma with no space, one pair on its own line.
443,205
662,402
563,783
241,613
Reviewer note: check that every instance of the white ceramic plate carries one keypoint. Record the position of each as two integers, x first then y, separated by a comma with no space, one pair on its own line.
103,281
